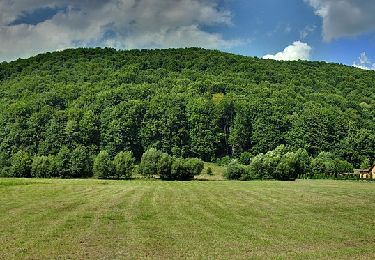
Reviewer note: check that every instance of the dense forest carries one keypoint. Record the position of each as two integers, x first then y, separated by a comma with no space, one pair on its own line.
74,104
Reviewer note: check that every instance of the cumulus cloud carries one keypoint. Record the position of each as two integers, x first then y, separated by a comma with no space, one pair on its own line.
297,51
113,23
363,62
345,17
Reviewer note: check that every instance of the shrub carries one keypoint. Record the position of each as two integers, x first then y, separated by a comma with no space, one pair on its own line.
323,165
256,168
235,171
209,171
327,165
365,163
287,167
195,166
271,160
343,166
224,161
63,163
21,165
245,158
186,169
44,167
149,162
80,163
303,166
124,165
180,171
4,165
164,166
103,167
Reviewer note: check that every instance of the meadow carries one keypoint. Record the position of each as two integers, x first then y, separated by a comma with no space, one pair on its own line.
83,219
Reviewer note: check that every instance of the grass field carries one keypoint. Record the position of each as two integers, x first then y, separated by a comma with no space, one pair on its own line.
81,219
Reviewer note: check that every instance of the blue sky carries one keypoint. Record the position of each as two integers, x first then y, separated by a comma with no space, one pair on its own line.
329,30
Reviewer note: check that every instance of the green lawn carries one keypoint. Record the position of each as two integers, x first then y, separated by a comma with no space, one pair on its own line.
80,219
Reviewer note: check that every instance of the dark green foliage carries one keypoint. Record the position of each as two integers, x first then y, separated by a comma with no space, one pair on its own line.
224,161
103,167
149,162
209,171
63,164
44,167
80,163
184,102
195,165
256,168
328,165
179,168
124,165
235,171
279,164
184,169
365,164
165,166
4,165
245,158
21,165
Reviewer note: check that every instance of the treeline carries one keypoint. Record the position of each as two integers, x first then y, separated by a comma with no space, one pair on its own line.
79,164
284,164
183,102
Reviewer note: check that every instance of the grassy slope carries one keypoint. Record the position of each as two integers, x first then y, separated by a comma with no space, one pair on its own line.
154,219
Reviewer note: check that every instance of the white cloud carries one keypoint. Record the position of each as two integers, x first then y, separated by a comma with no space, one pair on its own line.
297,51
115,23
363,62
343,18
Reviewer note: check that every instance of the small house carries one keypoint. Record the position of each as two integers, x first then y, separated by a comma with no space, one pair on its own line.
368,173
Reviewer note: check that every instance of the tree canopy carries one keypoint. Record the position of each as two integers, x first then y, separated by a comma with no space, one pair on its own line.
185,102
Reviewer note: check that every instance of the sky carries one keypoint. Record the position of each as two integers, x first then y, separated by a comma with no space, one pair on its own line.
341,31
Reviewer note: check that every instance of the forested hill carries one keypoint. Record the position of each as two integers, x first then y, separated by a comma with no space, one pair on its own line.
186,102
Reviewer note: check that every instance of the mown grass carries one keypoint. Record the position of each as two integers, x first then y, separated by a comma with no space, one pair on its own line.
81,219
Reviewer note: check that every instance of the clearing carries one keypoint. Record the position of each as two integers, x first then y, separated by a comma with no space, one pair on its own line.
80,219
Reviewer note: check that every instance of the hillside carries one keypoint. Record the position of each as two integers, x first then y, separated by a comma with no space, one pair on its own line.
186,102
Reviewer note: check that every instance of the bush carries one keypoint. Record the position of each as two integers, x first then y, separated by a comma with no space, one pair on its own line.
224,161
195,166
124,165
323,165
343,166
164,166
235,171
80,163
303,166
245,158
21,165
149,162
44,167
209,171
63,163
180,170
365,164
327,165
287,167
103,167
256,168
4,165
279,164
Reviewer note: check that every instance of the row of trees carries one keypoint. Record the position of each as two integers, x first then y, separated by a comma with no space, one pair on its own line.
284,164
80,164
